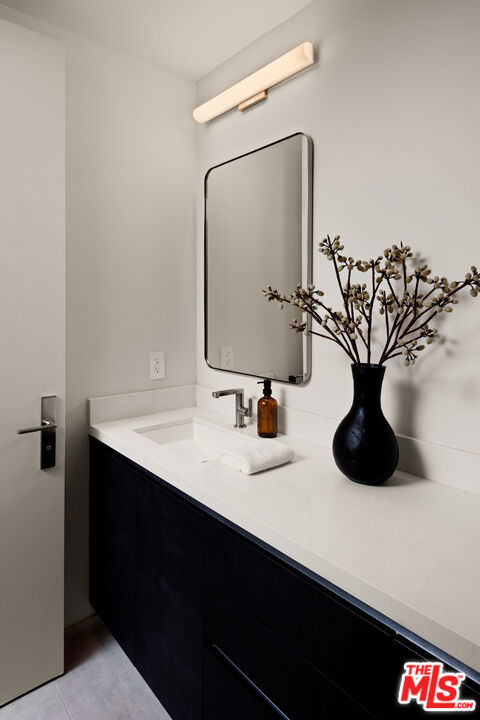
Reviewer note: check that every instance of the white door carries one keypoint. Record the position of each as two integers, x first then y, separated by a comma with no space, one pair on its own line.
32,355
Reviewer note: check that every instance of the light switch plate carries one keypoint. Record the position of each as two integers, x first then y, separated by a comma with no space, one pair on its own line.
157,365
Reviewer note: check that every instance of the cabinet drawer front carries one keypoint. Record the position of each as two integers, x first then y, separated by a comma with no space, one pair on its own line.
332,635
226,698
291,683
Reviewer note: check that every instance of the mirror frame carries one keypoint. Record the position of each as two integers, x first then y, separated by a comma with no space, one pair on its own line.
307,233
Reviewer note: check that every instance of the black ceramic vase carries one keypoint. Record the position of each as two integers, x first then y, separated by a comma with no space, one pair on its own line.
364,446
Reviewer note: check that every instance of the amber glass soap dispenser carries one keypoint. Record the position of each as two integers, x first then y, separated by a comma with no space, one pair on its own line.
267,412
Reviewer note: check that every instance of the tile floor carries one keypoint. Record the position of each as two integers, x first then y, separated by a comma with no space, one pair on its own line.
100,683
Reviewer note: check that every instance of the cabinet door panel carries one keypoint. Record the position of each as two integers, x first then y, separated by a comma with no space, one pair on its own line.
114,486
115,597
169,652
113,542
169,636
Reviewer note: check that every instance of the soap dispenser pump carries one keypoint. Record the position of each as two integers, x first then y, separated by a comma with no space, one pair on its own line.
267,408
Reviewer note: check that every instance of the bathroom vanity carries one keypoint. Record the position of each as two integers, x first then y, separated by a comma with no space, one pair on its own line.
214,608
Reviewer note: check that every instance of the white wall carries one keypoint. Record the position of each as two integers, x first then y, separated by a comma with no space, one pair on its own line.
394,113
130,249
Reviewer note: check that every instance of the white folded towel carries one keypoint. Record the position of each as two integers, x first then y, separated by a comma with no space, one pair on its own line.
252,457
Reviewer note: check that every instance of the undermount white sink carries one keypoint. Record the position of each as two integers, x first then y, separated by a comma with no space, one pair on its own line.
194,439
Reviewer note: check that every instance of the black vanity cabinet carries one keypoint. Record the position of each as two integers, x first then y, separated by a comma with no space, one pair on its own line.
223,628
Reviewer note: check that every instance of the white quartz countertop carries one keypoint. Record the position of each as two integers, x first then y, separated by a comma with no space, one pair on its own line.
410,549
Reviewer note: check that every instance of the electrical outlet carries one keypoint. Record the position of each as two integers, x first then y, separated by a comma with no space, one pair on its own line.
226,357
157,365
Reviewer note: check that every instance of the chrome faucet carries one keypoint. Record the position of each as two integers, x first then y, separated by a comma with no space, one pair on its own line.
241,412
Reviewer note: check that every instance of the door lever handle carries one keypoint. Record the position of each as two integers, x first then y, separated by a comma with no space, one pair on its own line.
47,430
46,425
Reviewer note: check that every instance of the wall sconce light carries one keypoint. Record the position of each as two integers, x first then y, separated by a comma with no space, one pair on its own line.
254,88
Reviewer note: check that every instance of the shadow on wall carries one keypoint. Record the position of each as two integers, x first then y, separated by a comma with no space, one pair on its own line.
411,460
76,514
408,395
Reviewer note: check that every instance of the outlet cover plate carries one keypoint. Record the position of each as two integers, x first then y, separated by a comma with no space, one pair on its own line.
157,365
226,357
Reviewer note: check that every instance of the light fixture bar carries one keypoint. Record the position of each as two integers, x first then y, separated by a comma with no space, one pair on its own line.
254,86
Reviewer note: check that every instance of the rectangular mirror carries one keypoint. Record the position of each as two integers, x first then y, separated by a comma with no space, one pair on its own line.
258,225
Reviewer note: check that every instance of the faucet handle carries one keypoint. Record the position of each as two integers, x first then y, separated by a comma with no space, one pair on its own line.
223,393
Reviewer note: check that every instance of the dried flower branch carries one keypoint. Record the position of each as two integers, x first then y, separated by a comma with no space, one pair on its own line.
408,300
